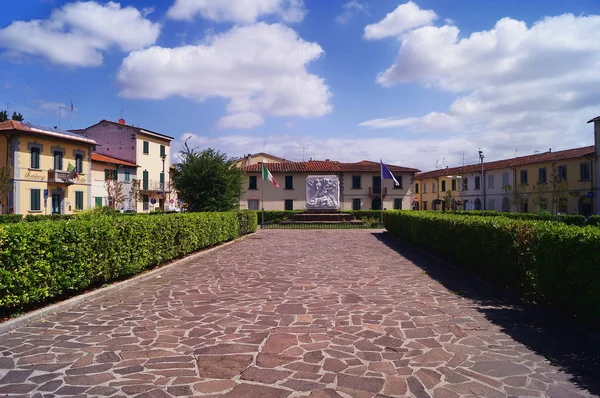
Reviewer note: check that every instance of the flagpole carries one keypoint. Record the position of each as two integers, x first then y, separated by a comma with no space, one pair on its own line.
262,194
381,187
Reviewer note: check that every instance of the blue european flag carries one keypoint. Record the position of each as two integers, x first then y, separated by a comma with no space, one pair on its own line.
387,174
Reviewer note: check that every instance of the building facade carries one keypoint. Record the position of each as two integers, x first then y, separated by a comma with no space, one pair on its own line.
112,174
361,186
150,151
38,160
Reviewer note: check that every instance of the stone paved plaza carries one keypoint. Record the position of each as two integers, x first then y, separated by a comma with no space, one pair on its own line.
287,313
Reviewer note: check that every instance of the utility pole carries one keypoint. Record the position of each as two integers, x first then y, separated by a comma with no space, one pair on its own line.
482,185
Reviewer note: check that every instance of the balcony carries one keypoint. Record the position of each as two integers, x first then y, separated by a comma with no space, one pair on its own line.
377,191
153,186
59,177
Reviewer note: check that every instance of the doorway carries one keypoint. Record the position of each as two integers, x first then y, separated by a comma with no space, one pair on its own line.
55,203
376,203
585,206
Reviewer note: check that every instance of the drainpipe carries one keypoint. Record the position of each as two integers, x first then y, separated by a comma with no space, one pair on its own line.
518,205
592,183
437,187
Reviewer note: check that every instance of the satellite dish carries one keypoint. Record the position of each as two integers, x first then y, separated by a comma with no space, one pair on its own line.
121,121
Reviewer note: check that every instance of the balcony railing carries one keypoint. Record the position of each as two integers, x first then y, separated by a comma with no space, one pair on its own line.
59,177
377,191
153,185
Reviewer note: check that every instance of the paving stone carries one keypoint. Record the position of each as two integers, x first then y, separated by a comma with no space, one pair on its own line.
108,356
278,343
16,376
223,367
370,384
102,391
500,368
89,380
313,357
416,388
180,391
303,385
256,391
429,377
266,376
265,360
395,386
51,386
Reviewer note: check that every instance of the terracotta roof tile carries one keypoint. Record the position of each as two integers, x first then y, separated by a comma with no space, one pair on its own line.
97,157
513,162
325,166
34,129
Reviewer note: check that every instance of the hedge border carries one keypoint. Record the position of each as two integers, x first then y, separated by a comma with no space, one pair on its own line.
69,303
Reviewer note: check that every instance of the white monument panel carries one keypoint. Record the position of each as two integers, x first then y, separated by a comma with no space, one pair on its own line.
322,192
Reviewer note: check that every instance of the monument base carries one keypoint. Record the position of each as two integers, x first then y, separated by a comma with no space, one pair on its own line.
322,216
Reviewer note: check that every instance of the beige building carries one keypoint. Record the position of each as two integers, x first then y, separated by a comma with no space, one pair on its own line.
361,186
254,158
108,170
149,150
37,160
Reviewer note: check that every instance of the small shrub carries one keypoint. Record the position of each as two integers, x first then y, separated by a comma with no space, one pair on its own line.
10,218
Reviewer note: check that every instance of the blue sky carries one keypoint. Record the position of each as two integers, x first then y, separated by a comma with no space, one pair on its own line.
308,78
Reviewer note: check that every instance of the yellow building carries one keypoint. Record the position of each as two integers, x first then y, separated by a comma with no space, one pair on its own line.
38,160
255,158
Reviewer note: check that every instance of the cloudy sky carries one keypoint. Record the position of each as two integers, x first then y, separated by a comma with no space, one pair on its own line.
413,83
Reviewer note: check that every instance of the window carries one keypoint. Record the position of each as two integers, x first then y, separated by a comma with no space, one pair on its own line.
252,204
98,200
252,182
524,177
162,179
58,160
542,175
491,182
145,202
478,182
146,147
127,176
78,200
399,186
355,204
584,172
453,184
35,204
424,187
525,206
145,180
355,182
35,158
492,204
163,151
417,188
289,182
111,175
433,187
465,184
424,205
79,163
505,179
397,204
562,173
289,204
543,204
443,186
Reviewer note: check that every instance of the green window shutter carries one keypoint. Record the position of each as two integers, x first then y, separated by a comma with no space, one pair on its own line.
106,174
145,202
127,176
162,151
98,201
145,181
35,199
162,178
116,175
79,200
35,158
146,147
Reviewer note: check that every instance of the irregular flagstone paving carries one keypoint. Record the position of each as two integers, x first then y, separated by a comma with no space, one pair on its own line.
283,313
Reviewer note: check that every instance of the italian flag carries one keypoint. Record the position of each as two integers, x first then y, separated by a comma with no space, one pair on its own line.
268,176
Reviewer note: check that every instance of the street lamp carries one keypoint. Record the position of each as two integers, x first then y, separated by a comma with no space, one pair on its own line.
163,157
481,157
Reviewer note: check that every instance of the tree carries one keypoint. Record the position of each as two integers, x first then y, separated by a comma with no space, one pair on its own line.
3,116
114,190
558,191
514,196
17,116
538,196
208,180
448,200
6,184
134,193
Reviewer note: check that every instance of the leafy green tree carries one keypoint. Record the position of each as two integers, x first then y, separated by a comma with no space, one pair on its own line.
448,201
3,116
208,180
17,116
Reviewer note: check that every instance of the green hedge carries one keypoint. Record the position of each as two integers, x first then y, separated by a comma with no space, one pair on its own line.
571,219
10,218
43,260
593,220
550,262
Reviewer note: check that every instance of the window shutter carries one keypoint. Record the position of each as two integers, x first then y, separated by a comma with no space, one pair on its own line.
116,175
106,174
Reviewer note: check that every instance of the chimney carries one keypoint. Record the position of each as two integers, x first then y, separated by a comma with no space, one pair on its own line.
550,150
596,172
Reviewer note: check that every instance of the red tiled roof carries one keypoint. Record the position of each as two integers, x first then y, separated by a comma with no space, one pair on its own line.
513,162
139,129
31,128
325,166
97,157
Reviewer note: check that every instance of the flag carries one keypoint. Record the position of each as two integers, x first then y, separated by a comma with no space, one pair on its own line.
386,174
267,175
72,171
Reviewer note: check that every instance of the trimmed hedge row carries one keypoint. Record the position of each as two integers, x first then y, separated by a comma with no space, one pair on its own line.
10,218
280,215
554,263
43,260
570,219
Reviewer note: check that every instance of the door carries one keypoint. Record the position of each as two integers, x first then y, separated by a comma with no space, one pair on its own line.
585,206
377,185
55,203
376,203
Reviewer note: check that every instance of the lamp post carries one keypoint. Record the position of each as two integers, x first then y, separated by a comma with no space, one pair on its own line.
481,157
163,157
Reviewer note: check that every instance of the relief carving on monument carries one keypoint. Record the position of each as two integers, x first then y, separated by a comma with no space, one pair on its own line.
322,192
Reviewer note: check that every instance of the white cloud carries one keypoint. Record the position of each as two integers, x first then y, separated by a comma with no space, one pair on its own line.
350,9
237,11
78,33
50,105
517,86
405,17
289,125
260,69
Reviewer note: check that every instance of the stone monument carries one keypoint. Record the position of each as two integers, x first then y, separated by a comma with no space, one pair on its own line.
322,193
